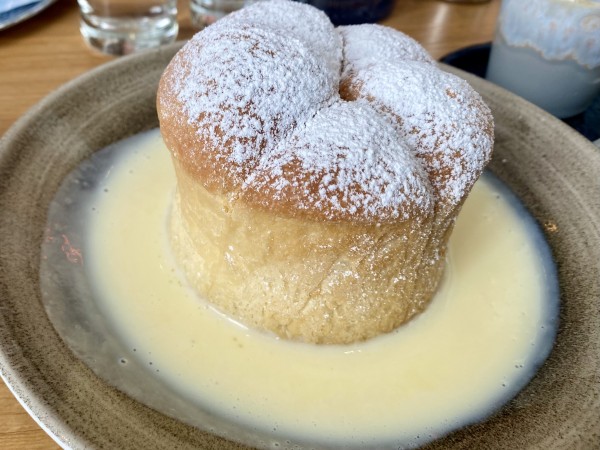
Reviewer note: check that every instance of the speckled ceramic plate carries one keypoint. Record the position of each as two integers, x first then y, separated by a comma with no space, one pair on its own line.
555,172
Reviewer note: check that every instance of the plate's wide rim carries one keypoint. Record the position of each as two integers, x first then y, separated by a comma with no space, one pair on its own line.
19,373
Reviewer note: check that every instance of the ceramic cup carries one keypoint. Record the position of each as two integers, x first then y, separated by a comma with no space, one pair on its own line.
548,52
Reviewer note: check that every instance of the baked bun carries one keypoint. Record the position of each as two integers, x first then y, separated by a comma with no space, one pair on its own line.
319,170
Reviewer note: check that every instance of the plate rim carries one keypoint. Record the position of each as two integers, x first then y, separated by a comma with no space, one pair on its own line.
55,426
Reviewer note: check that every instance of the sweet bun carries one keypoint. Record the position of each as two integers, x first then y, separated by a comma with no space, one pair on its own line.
319,170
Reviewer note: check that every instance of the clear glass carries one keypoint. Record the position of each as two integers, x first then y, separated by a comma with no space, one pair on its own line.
207,12
547,51
120,27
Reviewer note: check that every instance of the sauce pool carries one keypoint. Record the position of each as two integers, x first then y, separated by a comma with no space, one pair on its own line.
479,342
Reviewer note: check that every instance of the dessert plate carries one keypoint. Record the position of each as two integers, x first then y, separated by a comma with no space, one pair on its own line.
21,10
550,167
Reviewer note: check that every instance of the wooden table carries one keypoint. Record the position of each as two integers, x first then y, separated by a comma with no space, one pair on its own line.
40,54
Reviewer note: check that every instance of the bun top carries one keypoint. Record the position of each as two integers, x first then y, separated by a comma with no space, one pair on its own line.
274,106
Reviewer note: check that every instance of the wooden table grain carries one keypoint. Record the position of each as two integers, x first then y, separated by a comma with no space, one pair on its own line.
44,52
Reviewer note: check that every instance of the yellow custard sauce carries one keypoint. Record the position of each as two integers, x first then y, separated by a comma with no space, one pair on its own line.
481,339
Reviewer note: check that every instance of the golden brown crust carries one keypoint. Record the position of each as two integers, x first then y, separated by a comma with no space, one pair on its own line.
317,282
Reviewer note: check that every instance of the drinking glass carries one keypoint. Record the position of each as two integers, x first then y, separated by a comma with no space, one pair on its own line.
120,27
207,12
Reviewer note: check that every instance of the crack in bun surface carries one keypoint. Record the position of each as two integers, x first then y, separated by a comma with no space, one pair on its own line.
320,170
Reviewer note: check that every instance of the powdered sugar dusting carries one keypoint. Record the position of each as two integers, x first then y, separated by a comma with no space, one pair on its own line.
303,22
371,44
260,90
347,160
437,114
245,89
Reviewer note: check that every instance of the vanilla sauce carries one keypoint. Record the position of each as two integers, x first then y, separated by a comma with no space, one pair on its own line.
479,342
